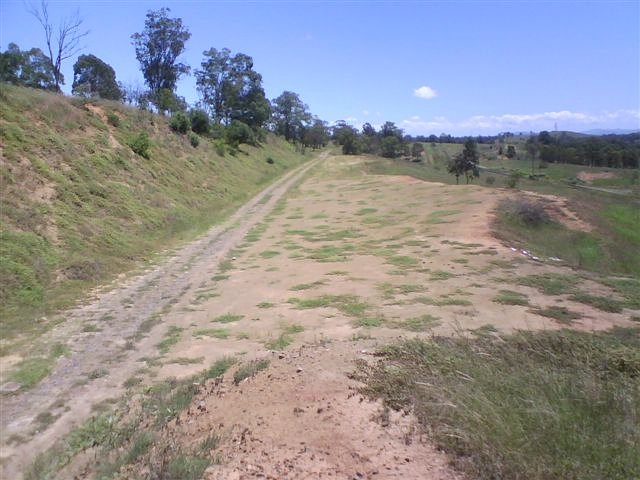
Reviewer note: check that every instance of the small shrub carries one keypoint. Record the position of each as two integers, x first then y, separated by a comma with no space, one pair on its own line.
113,119
529,212
238,133
140,145
219,147
270,161
199,121
180,123
249,370
513,179
195,140
490,180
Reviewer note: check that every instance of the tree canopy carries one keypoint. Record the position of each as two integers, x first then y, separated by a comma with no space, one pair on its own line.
466,162
290,115
158,47
94,78
231,89
30,68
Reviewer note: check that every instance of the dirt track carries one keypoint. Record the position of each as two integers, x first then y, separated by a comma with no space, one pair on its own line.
382,257
118,315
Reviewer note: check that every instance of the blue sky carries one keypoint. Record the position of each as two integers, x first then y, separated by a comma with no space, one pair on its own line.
461,67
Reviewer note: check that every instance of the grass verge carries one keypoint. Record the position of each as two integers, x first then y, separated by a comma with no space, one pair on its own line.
531,405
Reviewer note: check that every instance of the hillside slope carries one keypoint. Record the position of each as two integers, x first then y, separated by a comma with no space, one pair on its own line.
79,206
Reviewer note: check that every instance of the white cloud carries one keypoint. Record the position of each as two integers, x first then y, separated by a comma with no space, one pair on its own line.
365,112
565,119
425,92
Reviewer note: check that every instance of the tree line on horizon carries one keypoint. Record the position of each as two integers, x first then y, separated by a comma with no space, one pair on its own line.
233,104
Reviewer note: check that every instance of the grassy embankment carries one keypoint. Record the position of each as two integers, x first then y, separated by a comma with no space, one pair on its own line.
79,206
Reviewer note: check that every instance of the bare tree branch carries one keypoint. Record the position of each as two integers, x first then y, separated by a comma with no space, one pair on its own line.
67,42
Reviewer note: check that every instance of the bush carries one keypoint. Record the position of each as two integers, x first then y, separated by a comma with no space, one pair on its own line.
113,119
194,139
238,133
219,147
513,179
490,180
525,210
199,121
180,123
140,144
270,161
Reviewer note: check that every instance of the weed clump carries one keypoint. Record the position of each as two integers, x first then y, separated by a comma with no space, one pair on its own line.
529,212
140,145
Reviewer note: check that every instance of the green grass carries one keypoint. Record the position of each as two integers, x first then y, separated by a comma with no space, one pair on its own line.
389,290
111,208
307,286
608,249
123,436
366,211
438,216
266,305
269,254
249,370
221,333
279,343
330,253
187,467
440,275
402,261
558,313
606,304
422,323
446,300
369,322
534,406
227,318
31,371
350,305
219,368
550,283
292,329
171,338
509,297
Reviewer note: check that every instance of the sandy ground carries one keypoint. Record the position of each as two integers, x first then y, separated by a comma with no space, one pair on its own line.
398,247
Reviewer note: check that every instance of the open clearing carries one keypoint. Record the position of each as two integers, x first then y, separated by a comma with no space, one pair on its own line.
311,275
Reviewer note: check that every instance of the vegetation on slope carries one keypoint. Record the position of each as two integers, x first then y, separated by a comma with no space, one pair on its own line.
79,206
528,406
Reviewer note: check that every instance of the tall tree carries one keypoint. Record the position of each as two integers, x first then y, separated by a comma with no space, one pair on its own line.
532,148
64,44
30,68
289,115
94,78
11,61
416,151
466,162
158,47
231,89
317,135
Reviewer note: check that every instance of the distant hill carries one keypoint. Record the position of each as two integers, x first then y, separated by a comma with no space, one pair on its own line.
612,131
78,206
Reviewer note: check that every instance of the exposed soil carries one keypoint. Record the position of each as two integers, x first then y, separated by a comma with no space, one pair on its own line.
590,176
399,248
